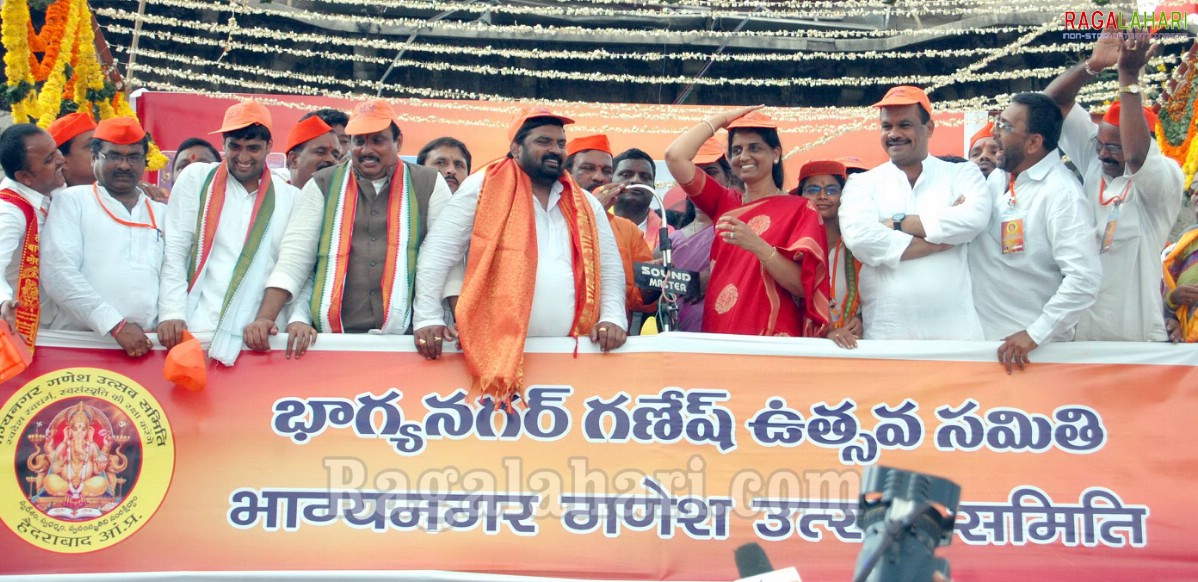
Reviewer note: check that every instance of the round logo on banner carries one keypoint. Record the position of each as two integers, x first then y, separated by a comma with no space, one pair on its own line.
93,454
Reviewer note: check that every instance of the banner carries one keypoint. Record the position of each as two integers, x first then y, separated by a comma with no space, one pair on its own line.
653,462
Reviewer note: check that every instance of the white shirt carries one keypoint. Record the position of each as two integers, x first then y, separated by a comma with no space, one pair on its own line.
182,211
96,270
926,298
12,232
1046,287
1128,307
552,312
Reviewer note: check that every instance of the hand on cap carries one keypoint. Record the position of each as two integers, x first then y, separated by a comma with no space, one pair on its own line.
723,119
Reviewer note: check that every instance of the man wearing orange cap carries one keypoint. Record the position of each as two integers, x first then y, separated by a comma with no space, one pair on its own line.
543,281
589,161
102,251
983,149
1133,190
311,146
363,233
73,134
902,220
449,156
33,171
227,222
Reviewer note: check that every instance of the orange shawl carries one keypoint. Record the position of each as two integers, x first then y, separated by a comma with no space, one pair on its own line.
501,272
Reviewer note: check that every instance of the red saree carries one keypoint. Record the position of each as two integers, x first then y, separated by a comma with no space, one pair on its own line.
742,297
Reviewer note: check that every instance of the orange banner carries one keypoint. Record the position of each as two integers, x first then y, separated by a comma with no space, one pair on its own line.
652,463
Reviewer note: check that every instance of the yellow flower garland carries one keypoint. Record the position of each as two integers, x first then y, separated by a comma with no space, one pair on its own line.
15,31
50,97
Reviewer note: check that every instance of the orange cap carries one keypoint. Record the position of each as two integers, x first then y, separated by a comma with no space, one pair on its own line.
906,95
753,119
711,151
120,130
590,142
852,163
370,117
245,114
185,364
819,167
15,354
310,128
68,126
532,112
1112,116
986,131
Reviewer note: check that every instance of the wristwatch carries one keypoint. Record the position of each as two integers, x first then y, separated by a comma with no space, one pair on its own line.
1133,88
898,220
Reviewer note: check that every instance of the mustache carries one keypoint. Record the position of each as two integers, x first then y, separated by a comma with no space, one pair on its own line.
553,157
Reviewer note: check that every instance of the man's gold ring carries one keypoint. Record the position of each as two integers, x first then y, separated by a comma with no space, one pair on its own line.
602,330
421,341
437,339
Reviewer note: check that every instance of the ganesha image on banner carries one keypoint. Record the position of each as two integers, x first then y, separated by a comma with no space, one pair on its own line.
77,469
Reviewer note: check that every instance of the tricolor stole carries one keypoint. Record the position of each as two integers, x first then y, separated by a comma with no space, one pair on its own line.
336,234
27,272
212,202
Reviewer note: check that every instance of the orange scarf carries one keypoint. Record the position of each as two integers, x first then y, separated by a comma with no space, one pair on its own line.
501,272
27,273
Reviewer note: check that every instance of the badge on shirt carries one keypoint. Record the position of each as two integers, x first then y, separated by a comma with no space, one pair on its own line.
1108,235
1012,236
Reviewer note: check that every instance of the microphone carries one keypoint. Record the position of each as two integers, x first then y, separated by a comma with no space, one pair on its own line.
752,565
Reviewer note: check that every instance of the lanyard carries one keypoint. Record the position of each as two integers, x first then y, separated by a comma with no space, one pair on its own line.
152,225
1011,189
835,262
1107,201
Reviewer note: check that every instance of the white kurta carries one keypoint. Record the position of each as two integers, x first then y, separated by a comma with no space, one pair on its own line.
926,298
1128,307
12,232
1046,287
552,312
98,271
182,210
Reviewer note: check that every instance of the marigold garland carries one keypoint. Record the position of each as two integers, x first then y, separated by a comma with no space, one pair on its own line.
19,88
52,38
68,77
1178,124
50,97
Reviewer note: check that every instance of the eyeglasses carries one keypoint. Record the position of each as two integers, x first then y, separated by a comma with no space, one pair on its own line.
814,190
1004,126
1113,148
131,159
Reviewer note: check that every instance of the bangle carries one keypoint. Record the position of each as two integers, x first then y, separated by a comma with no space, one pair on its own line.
711,126
766,260
118,327
1089,71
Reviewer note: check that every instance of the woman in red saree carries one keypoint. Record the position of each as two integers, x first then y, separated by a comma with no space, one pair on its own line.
769,272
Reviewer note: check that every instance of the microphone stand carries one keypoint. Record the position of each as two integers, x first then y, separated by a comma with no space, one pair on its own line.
667,306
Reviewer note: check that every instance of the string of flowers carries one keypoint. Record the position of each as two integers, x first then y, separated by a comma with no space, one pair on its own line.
19,89
49,40
1177,127
50,97
68,77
